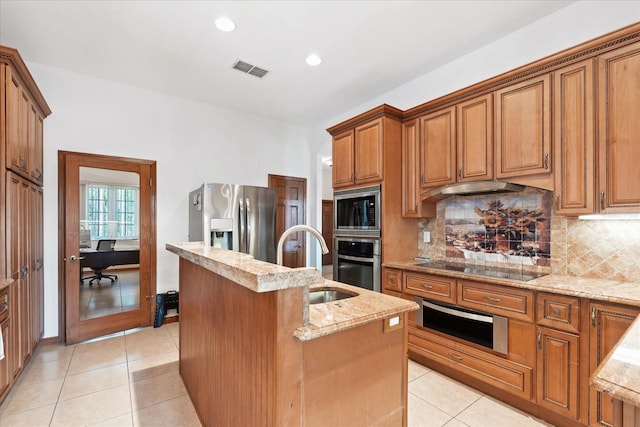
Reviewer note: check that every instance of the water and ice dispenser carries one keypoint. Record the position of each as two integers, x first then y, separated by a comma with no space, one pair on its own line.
222,233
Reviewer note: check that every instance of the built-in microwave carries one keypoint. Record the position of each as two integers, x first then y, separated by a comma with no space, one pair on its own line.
357,212
487,330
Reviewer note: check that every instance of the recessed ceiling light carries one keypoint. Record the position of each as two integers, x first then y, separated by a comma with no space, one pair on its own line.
313,60
225,24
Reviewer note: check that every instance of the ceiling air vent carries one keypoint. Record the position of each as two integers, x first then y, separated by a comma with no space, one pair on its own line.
249,69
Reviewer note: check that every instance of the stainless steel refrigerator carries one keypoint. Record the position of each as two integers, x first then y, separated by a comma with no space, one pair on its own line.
236,217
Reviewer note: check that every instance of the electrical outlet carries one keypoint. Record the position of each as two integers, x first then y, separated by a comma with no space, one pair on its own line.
426,236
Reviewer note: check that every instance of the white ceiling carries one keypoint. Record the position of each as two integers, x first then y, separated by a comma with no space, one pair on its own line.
368,47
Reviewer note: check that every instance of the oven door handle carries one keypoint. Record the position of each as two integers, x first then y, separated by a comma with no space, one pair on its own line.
457,313
355,258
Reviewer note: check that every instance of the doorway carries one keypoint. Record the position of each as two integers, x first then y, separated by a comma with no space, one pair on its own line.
107,256
292,196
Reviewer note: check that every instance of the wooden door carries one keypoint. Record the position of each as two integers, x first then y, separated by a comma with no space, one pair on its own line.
475,139
342,158
137,303
368,152
291,211
327,230
438,148
523,128
619,129
608,324
17,194
557,371
574,142
410,155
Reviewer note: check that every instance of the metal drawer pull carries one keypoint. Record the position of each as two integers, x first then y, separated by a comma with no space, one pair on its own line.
4,304
540,340
455,357
492,299
555,312
427,286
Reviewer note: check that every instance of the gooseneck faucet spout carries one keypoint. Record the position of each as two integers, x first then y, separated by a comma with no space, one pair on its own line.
296,228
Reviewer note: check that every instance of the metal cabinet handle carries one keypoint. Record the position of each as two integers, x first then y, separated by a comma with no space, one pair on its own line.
427,286
546,161
455,357
4,304
602,200
593,316
555,312
540,340
24,272
460,173
492,299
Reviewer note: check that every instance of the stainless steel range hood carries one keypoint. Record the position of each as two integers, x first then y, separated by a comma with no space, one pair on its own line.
471,188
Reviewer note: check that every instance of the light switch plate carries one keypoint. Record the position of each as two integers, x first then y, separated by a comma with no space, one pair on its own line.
426,236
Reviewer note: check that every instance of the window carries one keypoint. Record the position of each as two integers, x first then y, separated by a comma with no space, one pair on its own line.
111,211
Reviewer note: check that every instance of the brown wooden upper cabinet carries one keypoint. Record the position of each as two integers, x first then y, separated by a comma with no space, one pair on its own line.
475,139
357,155
24,130
619,129
574,138
410,154
523,128
438,148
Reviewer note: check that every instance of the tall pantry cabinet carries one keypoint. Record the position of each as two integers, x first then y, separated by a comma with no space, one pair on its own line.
22,112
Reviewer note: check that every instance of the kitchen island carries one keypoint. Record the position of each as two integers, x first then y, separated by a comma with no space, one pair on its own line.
253,351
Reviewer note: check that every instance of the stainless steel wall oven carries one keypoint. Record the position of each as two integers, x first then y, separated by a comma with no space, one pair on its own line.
356,261
487,330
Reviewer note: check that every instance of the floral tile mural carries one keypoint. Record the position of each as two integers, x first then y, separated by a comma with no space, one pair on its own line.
509,229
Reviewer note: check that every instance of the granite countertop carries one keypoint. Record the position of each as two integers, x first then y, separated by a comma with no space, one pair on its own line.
618,375
259,276
367,306
598,289
5,282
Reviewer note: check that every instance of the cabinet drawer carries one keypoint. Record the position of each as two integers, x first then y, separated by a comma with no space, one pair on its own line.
4,303
392,279
558,312
430,286
500,373
503,300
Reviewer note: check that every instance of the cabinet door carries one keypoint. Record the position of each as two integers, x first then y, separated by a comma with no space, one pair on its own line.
438,148
475,139
368,152
5,373
557,371
410,155
523,131
619,129
608,324
35,144
13,120
342,158
574,138
392,279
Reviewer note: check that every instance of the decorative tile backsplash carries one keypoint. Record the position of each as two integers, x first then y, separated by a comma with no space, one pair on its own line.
522,230
505,229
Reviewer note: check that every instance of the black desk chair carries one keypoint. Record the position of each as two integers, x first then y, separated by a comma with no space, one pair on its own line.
106,245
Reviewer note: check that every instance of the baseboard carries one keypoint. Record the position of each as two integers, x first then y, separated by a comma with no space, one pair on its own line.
171,319
49,340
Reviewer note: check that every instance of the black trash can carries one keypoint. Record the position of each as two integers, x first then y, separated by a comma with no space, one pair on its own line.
164,302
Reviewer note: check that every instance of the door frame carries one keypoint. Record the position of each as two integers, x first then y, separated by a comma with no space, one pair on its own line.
69,328
274,182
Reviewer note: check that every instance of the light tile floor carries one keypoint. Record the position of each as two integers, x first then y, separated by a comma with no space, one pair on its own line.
131,379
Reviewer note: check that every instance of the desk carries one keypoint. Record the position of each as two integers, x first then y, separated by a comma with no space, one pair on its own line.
101,260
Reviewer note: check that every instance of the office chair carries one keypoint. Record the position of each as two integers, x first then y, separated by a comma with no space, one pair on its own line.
103,262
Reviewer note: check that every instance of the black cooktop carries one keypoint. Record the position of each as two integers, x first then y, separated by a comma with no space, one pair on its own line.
521,276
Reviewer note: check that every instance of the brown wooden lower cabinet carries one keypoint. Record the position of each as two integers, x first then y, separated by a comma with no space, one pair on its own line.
5,375
608,323
557,371
499,372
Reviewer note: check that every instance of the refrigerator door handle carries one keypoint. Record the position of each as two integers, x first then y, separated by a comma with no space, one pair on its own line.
248,224
242,218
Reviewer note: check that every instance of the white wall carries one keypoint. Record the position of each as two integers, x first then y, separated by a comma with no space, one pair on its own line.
192,142
570,26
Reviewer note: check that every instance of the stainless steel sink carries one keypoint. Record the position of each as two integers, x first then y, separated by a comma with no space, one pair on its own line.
319,296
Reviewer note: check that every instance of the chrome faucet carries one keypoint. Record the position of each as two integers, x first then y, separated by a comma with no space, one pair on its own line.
300,227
